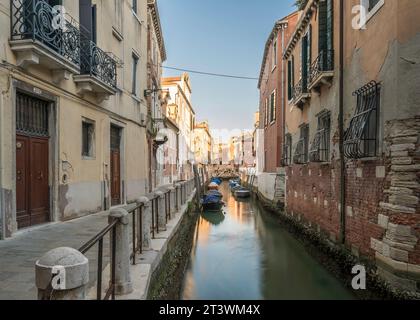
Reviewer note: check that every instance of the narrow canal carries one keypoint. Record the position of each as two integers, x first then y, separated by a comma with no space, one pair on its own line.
244,253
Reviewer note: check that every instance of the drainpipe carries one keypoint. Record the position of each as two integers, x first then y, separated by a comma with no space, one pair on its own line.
341,132
283,104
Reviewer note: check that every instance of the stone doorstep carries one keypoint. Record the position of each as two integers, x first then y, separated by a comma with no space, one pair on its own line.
398,268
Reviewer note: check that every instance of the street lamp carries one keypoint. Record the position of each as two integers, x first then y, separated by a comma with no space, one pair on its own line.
148,92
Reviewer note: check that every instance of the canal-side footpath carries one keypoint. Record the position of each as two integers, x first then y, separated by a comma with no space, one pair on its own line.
337,258
130,249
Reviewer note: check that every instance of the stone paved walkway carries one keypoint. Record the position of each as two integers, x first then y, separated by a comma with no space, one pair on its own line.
18,255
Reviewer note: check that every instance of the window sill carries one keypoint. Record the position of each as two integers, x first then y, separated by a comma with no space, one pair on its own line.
88,158
136,98
117,34
136,16
370,14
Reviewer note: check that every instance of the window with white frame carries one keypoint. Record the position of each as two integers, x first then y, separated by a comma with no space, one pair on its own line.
274,58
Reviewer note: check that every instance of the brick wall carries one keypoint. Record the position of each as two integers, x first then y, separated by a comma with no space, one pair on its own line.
382,202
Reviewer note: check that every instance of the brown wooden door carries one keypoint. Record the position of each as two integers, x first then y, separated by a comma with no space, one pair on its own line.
115,178
115,166
32,187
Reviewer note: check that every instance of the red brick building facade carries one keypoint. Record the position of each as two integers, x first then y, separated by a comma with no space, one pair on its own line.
271,86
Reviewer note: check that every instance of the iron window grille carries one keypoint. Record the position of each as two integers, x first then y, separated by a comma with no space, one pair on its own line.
302,147
360,139
31,116
323,63
287,150
88,131
320,148
34,20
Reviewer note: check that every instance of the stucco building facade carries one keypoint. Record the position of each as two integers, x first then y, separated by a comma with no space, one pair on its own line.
72,111
181,112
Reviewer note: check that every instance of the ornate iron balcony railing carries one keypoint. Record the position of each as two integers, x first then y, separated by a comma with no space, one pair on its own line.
323,63
300,88
38,21
97,63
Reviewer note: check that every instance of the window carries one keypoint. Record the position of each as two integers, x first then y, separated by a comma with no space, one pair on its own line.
274,58
371,7
360,140
118,14
287,150
88,137
273,106
266,112
320,148
135,6
135,64
291,78
302,147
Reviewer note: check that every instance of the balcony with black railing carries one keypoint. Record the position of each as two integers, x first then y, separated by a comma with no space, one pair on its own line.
41,34
300,93
98,70
322,70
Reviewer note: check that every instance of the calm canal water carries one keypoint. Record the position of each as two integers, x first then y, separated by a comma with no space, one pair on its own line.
245,254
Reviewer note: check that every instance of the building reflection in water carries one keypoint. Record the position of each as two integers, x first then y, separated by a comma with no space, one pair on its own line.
248,255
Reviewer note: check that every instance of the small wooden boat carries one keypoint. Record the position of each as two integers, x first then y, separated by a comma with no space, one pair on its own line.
212,202
243,193
213,186
215,193
213,206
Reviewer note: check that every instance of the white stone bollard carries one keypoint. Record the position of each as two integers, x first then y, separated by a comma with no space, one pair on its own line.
62,274
123,284
161,210
146,218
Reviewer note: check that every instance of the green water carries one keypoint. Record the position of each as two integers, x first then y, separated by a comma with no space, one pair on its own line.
244,253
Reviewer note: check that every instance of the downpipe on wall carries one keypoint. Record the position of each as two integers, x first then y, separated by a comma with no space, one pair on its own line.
341,132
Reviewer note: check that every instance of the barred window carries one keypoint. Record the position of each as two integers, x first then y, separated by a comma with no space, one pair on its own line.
360,139
88,133
301,154
320,148
287,150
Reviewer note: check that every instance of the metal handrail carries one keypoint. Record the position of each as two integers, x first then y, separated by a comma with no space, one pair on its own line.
99,239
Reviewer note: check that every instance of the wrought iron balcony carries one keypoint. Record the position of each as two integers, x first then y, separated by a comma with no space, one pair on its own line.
300,93
40,34
322,69
98,70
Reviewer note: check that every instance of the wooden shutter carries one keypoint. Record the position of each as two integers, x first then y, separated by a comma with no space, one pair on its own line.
330,25
289,80
322,31
304,62
309,50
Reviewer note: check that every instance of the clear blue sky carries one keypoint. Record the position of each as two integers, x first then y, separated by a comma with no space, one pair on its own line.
220,36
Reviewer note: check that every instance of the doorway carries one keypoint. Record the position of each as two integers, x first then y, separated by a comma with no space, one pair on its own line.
115,166
32,161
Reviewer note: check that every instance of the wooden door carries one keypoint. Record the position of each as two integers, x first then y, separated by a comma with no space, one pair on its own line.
115,166
32,185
